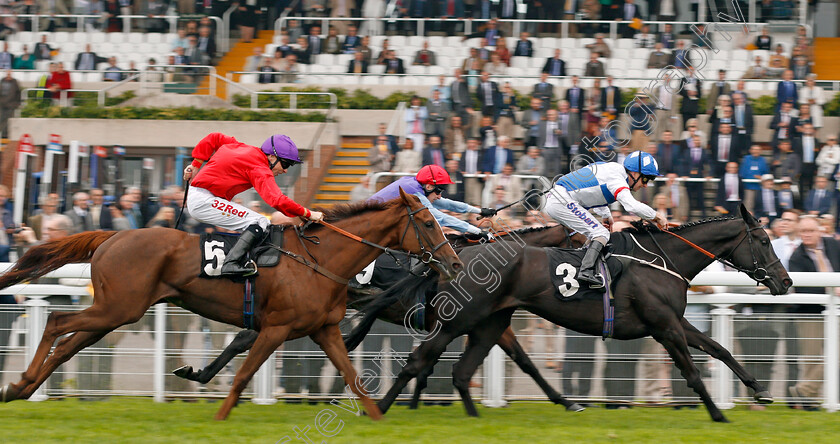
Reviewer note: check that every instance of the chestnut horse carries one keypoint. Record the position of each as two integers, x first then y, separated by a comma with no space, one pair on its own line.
133,270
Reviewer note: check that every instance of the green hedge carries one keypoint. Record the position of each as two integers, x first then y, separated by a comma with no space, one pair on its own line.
357,99
35,109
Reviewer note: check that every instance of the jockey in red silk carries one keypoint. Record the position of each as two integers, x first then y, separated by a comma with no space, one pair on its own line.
428,186
231,168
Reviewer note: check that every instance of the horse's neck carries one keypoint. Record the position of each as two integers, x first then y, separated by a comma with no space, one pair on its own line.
712,237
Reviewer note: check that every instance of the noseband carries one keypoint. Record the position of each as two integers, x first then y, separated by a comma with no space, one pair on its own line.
426,256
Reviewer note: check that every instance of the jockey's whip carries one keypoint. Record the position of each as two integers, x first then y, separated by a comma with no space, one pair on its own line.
183,205
528,195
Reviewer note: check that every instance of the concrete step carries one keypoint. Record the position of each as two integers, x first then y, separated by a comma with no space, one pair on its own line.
338,188
350,163
346,171
343,179
356,145
332,197
348,153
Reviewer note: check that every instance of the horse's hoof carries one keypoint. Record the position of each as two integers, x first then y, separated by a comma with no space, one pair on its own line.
763,397
575,408
8,393
721,419
183,372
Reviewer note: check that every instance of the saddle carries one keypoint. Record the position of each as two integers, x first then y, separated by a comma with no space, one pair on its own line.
214,248
564,265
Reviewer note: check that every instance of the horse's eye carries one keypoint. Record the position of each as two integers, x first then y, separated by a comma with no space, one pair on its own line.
429,224
765,242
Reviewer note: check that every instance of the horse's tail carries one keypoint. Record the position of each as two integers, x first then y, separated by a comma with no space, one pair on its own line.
405,290
49,256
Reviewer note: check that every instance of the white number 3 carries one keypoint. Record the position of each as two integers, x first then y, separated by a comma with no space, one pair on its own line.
570,284
214,250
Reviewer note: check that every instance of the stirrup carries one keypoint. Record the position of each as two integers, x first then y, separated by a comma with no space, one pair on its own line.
596,283
250,273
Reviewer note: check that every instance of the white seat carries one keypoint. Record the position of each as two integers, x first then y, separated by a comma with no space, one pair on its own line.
641,53
580,53
376,69
126,48
416,40
136,37
92,77
60,37
397,41
763,53
16,47
370,80
427,81
447,51
544,53
376,40
740,54
104,48
78,37
325,59
337,69
437,70
391,80
535,62
624,44
437,42
519,62
567,43
154,37
343,59
163,48
31,76
249,78
454,41
71,47
76,77
548,42
636,63
115,37
737,65
26,36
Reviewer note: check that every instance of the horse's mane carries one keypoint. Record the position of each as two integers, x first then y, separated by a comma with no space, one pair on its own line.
460,236
343,211
640,226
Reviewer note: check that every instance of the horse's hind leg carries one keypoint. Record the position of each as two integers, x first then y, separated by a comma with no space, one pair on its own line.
51,333
700,341
420,384
511,346
243,341
481,339
331,342
65,350
673,339
267,341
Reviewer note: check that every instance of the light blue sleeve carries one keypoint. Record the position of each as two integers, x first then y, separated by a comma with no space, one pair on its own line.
454,206
446,220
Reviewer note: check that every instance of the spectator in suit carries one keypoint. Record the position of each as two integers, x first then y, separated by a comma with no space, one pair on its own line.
393,65
383,54
667,36
531,164
777,63
809,147
665,102
495,66
381,157
677,197
43,50
506,110
767,200
725,150
268,74
576,97
113,73
757,70
389,141
668,153
504,180
730,191
487,94
524,47
819,199
829,158
594,68
801,69
691,90
443,89
461,101
455,138
743,117
7,59
555,66
787,199
471,163
786,92
284,48
679,55
358,65
753,166
303,51
434,154
816,253
531,119
644,39
87,61
789,163
764,41
438,110
544,91
600,46
79,214
207,45
696,165
490,32
425,57
474,62
550,140
783,125
331,44
719,88
658,58
314,41
497,157
487,132
641,113
629,12
455,190
351,41
606,133
611,98
451,9
409,159
415,119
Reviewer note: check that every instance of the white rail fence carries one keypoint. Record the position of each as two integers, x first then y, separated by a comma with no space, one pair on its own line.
127,362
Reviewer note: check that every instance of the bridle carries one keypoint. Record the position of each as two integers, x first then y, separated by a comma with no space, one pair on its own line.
758,273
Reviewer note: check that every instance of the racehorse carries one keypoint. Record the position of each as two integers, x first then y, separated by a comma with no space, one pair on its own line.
132,270
649,299
551,236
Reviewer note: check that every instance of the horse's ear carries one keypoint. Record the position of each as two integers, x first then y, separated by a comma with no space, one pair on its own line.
404,197
745,213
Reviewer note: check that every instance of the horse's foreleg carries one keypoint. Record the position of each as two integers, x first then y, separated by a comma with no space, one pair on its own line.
426,356
243,341
514,350
66,349
696,339
330,340
673,339
419,385
51,333
267,341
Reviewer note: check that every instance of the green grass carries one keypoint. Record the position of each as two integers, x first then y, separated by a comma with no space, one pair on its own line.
143,421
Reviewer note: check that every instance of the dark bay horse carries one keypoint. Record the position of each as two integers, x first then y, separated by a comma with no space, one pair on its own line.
132,270
649,299
551,236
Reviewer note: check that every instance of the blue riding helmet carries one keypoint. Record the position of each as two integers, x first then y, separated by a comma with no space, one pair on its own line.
641,162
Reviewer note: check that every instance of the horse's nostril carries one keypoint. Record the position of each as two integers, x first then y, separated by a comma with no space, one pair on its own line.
457,266
787,282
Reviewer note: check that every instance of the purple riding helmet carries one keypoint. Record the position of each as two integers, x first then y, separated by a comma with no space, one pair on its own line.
282,146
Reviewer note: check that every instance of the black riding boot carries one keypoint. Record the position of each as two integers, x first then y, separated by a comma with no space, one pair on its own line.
233,261
588,267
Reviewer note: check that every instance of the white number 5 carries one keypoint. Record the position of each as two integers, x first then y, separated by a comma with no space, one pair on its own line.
570,284
213,250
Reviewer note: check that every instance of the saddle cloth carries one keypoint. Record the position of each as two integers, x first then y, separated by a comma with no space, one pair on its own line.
563,268
214,248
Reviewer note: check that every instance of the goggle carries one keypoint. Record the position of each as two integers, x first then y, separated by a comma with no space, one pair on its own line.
646,179
438,190
286,163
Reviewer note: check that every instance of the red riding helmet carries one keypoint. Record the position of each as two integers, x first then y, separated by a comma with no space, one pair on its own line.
433,175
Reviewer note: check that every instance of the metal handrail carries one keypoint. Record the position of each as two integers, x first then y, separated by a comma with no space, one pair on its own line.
172,19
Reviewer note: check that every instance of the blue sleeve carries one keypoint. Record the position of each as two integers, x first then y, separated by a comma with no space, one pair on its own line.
454,206
446,220
745,169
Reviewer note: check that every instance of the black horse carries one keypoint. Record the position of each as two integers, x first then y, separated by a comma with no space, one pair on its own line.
396,313
649,299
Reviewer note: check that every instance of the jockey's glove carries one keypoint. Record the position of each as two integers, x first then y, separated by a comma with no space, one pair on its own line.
487,212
